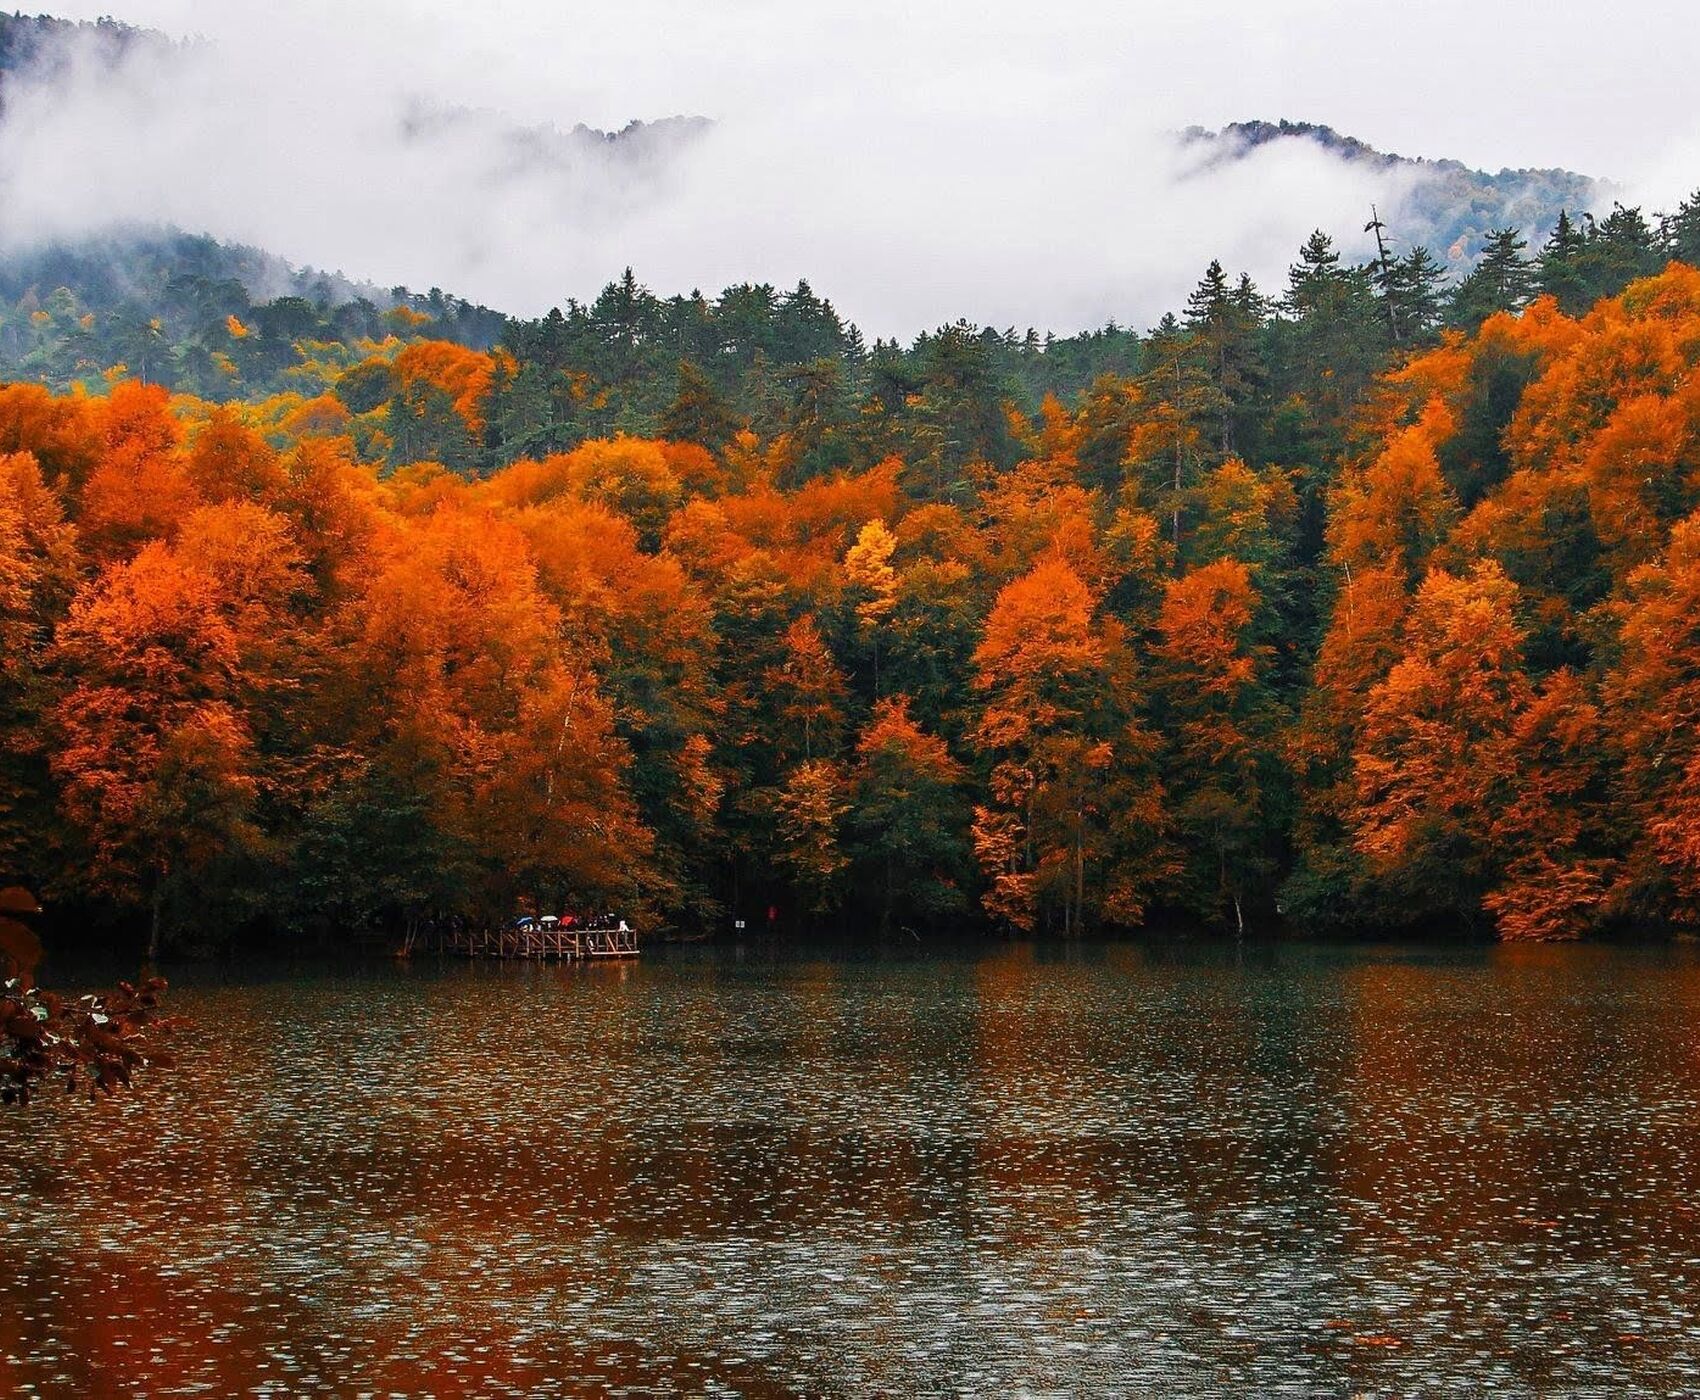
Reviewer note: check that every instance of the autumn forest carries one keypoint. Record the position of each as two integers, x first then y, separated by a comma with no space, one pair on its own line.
1371,602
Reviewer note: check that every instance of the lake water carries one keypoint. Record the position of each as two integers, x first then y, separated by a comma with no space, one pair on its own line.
1107,1169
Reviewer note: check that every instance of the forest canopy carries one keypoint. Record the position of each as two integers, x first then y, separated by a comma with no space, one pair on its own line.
1368,603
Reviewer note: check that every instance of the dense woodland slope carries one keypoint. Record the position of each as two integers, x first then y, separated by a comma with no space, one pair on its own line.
1308,605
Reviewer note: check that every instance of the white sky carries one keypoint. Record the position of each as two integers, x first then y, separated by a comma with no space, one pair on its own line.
916,162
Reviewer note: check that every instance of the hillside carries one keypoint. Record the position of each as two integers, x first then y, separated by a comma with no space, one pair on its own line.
1446,207
218,319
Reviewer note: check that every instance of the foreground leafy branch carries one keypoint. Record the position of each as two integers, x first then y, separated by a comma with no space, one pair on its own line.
94,1041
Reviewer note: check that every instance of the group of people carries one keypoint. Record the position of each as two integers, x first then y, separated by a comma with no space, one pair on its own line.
589,923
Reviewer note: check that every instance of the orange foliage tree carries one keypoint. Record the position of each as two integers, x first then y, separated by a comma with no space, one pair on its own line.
1434,761
1219,721
1652,697
1071,825
156,765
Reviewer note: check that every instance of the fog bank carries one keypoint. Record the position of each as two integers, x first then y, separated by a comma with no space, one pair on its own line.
978,161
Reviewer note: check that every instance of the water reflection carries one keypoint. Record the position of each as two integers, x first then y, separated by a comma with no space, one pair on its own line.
1267,1170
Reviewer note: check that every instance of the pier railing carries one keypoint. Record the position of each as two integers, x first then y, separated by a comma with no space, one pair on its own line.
540,942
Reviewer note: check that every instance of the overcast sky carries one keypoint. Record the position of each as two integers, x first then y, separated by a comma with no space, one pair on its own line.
1000,161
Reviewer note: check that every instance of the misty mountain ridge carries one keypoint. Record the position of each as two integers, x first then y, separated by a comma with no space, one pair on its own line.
584,177
586,170
152,266
589,171
34,41
1446,206
42,47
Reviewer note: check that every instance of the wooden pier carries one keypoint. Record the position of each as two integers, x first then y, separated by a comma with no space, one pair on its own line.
542,941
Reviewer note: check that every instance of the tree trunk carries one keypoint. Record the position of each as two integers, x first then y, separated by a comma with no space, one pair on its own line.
1180,455
156,906
1079,875
1177,514
885,911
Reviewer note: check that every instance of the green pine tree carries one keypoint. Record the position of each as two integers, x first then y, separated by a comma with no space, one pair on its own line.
1502,281
698,413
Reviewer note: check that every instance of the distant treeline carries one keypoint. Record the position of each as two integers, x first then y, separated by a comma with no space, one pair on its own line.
183,312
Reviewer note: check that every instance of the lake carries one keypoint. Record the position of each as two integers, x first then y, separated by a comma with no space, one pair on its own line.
1108,1168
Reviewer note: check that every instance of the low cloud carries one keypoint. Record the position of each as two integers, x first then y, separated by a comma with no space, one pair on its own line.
979,162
